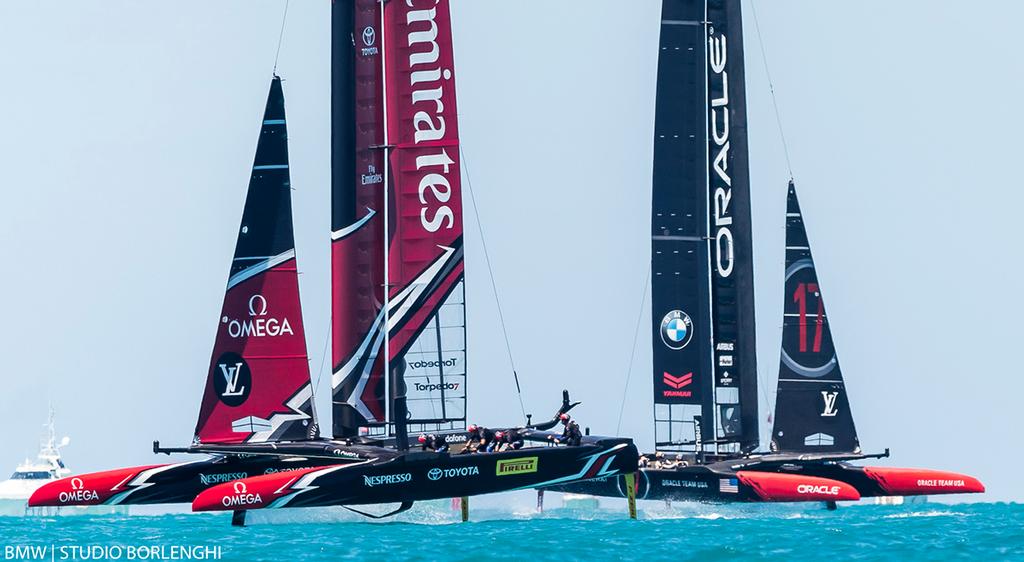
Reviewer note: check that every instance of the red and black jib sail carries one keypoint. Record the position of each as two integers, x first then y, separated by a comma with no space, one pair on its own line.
396,155
705,372
258,386
812,411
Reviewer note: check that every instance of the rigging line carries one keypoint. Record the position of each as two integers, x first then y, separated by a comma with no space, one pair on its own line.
771,88
280,36
494,285
632,353
323,358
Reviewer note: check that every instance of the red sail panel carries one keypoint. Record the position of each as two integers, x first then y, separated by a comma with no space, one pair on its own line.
357,217
258,386
426,310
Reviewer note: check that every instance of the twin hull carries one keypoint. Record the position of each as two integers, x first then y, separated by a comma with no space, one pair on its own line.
718,483
423,476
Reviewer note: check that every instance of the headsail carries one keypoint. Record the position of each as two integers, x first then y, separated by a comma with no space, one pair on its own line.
705,373
426,317
258,387
357,216
812,412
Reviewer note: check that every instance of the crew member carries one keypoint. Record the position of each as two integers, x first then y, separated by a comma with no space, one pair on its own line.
511,440
571,434
483,437
433,443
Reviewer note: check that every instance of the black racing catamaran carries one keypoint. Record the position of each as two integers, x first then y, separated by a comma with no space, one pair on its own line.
398,308
705,374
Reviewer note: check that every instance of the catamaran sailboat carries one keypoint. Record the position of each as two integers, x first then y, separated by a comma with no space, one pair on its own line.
399,335
705,374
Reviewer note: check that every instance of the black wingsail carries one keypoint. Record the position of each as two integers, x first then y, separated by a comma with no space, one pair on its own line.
705,372
812,412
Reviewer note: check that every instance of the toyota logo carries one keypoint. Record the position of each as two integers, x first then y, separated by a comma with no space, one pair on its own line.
434,474
369,36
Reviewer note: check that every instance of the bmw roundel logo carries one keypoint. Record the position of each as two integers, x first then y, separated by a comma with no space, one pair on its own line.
434,474
676,329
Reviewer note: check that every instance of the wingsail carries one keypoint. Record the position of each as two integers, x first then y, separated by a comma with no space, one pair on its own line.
403,149
705,372
812,410
258,386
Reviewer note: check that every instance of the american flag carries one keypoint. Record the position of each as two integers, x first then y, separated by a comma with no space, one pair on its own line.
728,485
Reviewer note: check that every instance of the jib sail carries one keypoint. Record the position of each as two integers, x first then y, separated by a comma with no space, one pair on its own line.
396,176
705,383
258,386
426,316
357,216
812,412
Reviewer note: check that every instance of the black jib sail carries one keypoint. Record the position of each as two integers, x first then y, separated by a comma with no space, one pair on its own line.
812,412
705,372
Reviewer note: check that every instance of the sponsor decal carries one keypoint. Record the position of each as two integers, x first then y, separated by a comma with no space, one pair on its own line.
684,484
728,485
372,176
427,79
457,438
439,473
369,37
78,493
811,489
210,479
676,329
516,466
241,496
938,483
725,361
386,479
433,364
677,383
721,182
232,380
829,398
259,324
273,470
725,346
420,387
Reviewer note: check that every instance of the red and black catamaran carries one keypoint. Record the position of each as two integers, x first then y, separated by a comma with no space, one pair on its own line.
398,306
705,374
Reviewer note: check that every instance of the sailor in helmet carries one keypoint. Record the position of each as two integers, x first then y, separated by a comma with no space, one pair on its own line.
432,443
480,439
571,434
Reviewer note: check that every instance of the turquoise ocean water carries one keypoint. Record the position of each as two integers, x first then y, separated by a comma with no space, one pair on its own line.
990,532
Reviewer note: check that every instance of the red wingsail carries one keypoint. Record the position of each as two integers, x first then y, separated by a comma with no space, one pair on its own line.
426,298
258,386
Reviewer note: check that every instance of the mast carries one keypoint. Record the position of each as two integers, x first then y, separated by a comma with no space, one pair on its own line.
705,381
812,410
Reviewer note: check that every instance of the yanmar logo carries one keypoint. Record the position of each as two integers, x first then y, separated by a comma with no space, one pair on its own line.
259,324
386,479
209,479
677,383
516,466
78,493
241,496
823,490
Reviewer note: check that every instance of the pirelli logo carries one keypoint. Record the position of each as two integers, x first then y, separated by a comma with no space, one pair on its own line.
516,466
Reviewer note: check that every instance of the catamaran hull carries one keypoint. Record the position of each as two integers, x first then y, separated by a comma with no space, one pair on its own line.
419,476
791,482
702,483
159,484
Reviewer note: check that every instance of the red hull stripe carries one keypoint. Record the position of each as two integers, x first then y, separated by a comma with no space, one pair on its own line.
87,489
918,482
773,487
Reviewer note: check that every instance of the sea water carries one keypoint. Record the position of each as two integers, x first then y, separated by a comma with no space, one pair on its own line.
981,531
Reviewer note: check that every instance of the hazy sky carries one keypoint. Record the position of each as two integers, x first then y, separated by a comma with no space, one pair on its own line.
129,132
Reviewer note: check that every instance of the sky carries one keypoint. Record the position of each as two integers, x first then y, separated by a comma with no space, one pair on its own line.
129,134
